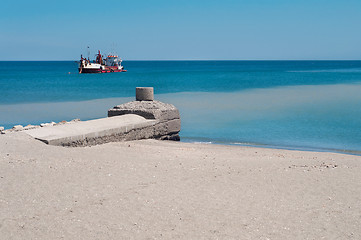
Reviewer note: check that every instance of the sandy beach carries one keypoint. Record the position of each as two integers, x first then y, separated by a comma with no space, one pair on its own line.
170,190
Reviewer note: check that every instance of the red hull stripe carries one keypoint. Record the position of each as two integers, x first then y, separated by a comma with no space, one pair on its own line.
93,70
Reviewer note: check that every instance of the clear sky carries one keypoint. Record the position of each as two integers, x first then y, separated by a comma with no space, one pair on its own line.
188,29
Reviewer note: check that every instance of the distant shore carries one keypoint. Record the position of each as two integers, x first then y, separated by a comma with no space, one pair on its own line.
167,190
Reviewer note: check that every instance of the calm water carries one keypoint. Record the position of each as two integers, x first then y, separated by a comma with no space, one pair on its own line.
286,104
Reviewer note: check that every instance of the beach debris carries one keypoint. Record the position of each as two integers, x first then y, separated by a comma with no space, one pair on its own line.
323,165
18,128
75,120
47,124
28,127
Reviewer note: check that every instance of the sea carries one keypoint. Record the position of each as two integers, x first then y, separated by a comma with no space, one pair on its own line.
302,105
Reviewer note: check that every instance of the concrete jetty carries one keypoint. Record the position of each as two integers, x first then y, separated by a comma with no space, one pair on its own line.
166,116
141,119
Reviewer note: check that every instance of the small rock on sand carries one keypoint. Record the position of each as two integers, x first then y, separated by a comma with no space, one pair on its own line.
18,128
28,127
47,124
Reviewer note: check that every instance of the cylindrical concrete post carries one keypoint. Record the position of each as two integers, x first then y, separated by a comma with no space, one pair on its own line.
144,94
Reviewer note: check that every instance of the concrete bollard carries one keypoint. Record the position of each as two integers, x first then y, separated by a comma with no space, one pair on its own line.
144,94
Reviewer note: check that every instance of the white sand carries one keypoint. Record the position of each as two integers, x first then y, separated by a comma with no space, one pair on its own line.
170,190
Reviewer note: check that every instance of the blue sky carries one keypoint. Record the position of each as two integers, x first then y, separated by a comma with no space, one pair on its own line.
168,29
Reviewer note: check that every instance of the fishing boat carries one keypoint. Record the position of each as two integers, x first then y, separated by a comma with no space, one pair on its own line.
102,64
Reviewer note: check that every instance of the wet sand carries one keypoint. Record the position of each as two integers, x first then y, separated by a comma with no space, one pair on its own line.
169,190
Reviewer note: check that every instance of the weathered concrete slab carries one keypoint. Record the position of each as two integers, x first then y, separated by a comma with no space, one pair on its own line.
85,133
148,109
167,116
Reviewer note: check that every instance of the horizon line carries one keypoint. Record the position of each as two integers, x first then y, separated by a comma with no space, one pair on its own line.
152,60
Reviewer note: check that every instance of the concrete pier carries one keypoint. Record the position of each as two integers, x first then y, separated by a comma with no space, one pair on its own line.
93,132
135,120
167,120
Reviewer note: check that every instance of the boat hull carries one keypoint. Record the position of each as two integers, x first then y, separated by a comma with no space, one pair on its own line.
97,70
89,70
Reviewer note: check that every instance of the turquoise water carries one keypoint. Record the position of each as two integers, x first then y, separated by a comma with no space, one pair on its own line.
287,104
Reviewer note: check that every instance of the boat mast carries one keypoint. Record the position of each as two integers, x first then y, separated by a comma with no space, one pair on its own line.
88,50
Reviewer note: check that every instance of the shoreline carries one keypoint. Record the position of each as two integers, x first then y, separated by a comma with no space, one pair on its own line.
165,190
194,140
276,147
